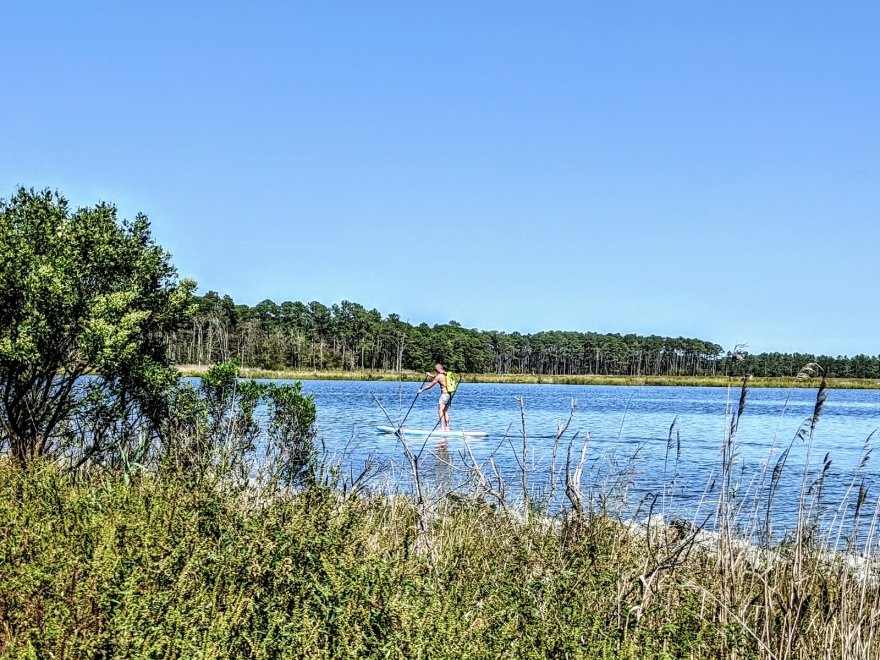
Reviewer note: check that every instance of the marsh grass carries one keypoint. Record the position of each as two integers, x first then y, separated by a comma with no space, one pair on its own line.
534,379
158,564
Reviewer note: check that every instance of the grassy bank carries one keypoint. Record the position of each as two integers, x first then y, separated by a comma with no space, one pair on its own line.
408,376
164,567
204,547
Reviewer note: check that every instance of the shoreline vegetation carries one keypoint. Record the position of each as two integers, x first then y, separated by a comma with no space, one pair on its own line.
163,565
194,370
203,547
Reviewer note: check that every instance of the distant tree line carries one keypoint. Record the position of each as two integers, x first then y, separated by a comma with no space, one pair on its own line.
348,336
789,364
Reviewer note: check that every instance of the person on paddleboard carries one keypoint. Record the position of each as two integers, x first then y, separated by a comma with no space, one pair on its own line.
439,378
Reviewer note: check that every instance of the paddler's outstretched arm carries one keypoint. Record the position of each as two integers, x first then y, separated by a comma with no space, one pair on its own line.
433,382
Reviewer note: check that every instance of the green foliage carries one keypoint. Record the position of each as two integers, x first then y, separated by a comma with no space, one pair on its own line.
227,428
80,293
161,567
291,432
348,337
219,379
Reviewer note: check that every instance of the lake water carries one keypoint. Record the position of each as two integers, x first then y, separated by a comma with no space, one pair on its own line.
629,430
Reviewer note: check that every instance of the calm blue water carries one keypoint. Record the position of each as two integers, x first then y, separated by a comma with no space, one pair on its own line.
629,430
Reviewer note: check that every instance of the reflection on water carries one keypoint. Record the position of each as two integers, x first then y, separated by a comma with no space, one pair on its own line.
629,429
439,467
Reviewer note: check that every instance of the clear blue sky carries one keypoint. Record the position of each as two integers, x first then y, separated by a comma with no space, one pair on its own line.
679,168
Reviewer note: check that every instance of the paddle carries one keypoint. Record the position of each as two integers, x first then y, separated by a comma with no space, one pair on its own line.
403,421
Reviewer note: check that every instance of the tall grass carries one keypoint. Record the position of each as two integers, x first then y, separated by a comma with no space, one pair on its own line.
536,379
155,563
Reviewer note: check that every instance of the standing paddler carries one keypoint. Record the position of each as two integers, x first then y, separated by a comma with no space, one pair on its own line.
446,380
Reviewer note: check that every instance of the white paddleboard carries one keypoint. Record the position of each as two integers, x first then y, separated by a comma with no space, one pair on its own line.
438,432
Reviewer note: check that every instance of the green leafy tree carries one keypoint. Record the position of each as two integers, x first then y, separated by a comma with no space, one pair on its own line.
81,293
